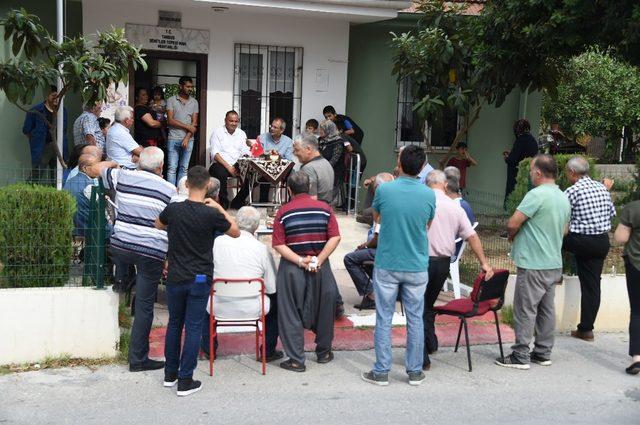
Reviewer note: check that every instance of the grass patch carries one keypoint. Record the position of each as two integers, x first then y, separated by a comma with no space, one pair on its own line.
123,345
506,315
124,316
57,363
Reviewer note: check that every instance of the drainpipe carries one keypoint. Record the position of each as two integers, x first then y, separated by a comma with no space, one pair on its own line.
60,116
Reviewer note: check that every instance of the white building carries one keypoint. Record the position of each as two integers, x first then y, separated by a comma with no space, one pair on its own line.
265,58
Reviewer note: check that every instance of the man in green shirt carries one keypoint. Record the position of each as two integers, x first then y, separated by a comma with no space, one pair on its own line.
536,229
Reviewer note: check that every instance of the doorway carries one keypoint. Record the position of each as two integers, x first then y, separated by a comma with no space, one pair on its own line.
164,69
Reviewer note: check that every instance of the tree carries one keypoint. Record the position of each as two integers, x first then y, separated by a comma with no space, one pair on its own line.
597,94
39,60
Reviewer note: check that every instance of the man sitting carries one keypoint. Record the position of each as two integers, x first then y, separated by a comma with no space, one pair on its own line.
121,147
255,261
354,261
275,140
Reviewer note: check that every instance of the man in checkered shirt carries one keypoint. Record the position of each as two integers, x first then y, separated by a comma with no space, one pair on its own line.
588,238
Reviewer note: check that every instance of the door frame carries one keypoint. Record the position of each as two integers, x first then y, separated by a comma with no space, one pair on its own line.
201,68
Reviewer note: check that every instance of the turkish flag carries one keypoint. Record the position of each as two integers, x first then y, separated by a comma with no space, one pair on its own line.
256,148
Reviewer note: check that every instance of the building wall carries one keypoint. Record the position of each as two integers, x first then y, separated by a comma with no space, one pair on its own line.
324,42
15,147
372,102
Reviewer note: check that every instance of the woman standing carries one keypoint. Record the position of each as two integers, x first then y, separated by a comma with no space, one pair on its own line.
147,128
628,233
331,146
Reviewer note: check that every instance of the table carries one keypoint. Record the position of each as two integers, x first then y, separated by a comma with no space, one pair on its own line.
274,172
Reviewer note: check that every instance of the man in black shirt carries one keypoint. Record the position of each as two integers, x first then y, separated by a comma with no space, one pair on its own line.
525,146
345,124
190,227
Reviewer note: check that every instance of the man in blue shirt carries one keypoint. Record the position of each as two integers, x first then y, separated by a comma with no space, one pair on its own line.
404,208
275,140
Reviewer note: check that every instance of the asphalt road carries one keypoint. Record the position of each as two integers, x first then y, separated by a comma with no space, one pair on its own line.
585,385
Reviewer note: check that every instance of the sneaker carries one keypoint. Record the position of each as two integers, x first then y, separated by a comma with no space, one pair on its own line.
376,379
170,379
187,386
539,360
416,378
511,362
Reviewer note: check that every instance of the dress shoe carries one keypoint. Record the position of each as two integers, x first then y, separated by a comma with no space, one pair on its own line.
276,355
366,304
583,335
148,365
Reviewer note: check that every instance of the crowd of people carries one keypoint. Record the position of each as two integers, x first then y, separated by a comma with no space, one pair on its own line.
416,214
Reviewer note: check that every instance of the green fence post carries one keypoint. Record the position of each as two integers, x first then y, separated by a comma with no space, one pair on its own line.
94,250
100,237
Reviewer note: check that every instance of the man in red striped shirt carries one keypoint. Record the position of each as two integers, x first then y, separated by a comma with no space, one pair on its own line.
305,233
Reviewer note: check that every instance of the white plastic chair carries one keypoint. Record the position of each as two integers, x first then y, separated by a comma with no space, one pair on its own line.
454,267
238,288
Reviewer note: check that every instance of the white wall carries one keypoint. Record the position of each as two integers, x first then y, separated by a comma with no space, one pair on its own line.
325,43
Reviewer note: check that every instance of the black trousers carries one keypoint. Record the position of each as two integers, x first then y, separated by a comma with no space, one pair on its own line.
218,171
438,272
633,287
590,252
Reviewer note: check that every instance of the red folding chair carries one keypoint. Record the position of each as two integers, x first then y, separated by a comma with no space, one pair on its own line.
487,295
238,288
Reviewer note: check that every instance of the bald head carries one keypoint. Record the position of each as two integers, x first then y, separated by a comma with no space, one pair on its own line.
383,178
85,162
92,150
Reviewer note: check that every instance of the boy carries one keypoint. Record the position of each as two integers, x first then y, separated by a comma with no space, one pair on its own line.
311,126
462,160
190,227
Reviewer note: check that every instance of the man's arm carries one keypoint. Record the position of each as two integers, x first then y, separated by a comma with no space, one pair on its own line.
172,122
622,234
159,224
515,223
329,247
234,230
348,128
292,257
472,161
476,247
29,123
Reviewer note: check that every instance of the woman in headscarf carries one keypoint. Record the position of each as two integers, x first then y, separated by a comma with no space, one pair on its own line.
331,146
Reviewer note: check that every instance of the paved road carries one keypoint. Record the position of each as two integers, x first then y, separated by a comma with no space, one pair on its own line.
586,385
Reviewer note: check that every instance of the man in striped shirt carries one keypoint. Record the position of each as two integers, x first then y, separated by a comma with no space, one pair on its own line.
305,233
141,195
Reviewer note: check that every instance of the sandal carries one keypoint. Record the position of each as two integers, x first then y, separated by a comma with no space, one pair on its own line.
634,369
293,366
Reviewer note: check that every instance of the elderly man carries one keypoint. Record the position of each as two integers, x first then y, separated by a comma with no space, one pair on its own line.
354,261
79,186
315,166
86,128
403,207
449,223
588,238
453,191
121,147
228,144
536,229
305,233
256,261
275,140
141,195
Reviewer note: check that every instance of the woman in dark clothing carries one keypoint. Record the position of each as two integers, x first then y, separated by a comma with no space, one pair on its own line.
525,146
331,146
147,128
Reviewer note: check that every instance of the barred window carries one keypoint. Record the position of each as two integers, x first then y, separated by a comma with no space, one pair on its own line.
411,130
261,96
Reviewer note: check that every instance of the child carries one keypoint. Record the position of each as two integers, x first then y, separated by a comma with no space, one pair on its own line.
312,127
462,160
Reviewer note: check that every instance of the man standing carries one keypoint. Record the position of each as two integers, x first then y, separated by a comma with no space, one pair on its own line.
141,195
86,128
344,123
182,120
536,229
121,147
315,166
191,226
525,146
275,140
305,233
228,144
449,223
37,125
403,207
588,238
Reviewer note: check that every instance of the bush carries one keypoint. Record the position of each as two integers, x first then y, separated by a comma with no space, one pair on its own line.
36,225
523,185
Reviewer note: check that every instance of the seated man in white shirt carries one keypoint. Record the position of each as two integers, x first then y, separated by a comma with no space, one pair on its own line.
228,144
246,257
121,147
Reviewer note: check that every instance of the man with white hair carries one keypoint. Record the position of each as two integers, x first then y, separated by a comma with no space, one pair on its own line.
354,261
319,170
121,147
588,238
449,223
255,261
136,241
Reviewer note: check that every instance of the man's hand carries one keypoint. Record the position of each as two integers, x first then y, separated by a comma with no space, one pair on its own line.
505,154
191,128
608,183
303,262
185,141
213,204
367,182
362,246
232,171
488,271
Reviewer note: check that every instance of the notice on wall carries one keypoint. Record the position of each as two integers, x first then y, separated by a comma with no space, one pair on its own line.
322,80
168,39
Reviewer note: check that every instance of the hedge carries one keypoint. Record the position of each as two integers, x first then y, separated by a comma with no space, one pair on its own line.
36,224
523,185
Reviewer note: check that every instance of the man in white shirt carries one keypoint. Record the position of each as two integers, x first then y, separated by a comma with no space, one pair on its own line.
121,147
246,257
228,144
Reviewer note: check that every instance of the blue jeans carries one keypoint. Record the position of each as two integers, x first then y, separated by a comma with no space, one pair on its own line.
386,284
177,159
187,302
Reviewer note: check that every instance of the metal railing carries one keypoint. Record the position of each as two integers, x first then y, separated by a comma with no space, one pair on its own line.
353,185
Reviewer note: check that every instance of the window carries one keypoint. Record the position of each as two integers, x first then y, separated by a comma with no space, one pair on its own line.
411,130
261,96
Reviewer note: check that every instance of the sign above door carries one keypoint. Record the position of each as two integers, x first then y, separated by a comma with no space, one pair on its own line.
168,39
